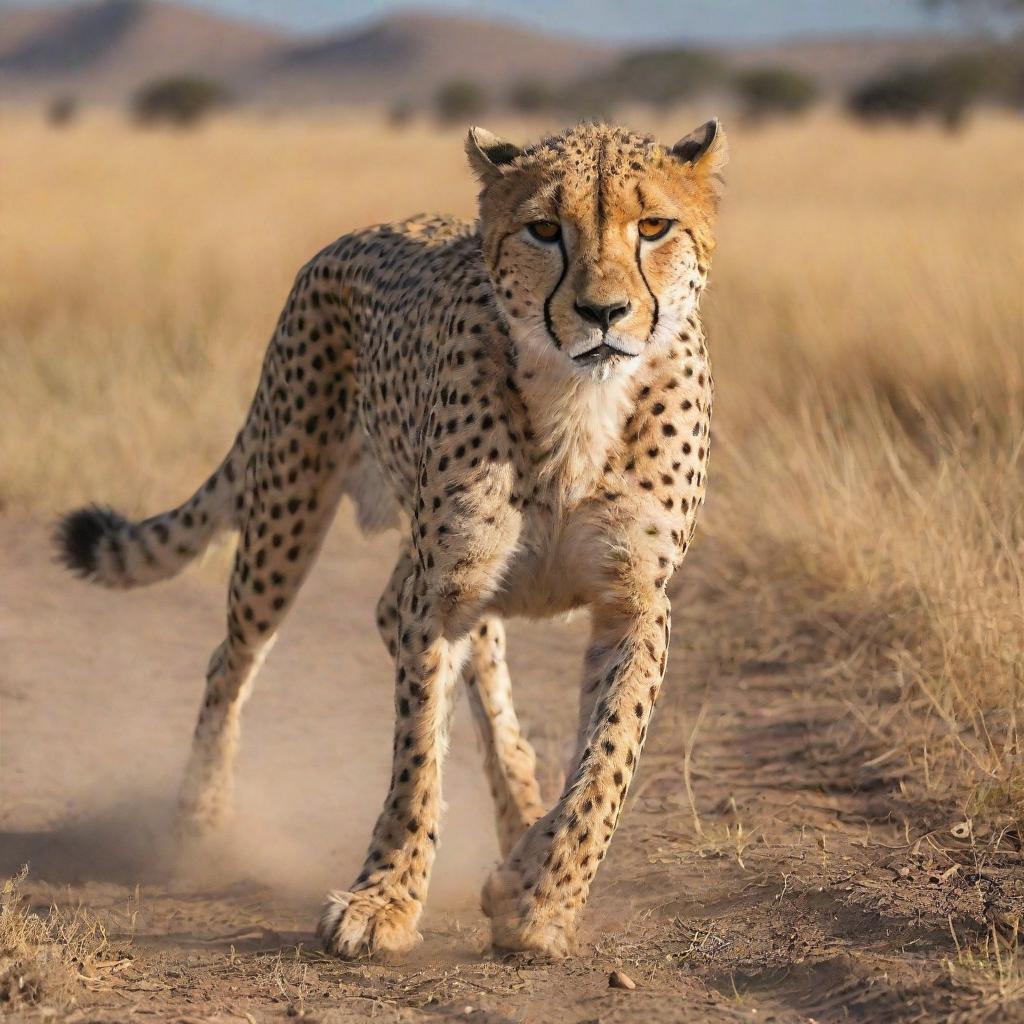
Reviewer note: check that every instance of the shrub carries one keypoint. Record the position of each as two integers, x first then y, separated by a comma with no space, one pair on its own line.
460,100
775,91
588,98
401,112
658,77
662,77
530,95
62,110
181,100
961,80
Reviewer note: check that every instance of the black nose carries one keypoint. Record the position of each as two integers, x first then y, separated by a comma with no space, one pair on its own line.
603,316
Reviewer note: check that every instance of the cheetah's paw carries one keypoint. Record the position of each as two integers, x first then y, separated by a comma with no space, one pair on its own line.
520,925
356,923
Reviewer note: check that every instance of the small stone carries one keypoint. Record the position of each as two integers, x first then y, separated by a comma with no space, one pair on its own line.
619,979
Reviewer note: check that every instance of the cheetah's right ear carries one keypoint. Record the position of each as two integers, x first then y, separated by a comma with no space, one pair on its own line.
489,155
704,147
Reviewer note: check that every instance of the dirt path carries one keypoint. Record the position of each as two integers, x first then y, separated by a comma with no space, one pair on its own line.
801,887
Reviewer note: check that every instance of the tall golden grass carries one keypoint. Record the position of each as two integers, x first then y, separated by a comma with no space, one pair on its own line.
867,506
868,323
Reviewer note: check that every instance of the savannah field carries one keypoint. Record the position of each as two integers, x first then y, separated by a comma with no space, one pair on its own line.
828,824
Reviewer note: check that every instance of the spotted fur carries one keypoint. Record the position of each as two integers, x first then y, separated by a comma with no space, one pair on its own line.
536,414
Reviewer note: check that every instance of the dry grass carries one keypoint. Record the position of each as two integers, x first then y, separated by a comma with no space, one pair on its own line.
990,974
47,960
870,455
868,476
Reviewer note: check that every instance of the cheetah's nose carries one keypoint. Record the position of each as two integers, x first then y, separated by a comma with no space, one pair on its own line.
603,316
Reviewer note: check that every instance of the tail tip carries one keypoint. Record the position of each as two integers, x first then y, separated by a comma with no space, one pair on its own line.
78,534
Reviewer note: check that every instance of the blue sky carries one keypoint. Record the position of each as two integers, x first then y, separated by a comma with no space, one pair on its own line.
648,20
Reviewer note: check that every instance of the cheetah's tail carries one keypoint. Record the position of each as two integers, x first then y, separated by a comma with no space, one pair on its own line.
99,545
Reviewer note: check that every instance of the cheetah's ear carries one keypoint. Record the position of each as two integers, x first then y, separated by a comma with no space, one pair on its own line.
488,154
705,147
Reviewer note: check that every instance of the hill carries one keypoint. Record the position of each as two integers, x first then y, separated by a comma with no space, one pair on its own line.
412,54
101,50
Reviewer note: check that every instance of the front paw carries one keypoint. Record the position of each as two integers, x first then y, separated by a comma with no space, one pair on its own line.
523,922
368,921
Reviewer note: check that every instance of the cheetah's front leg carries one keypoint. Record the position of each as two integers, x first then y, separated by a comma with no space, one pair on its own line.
381,911
456,565
535,897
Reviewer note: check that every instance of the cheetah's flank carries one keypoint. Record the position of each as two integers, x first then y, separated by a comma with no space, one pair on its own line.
530,396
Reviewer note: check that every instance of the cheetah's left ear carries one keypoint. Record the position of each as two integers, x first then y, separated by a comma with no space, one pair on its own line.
704,148
488,155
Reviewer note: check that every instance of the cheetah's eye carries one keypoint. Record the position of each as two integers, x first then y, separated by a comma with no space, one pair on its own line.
653,228
545,230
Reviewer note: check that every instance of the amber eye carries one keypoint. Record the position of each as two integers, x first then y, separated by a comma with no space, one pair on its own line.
653,228
544,230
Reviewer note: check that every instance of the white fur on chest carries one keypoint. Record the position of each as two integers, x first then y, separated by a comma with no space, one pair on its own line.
577,422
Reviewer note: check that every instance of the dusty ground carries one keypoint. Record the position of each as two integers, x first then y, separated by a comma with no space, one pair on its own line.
805,885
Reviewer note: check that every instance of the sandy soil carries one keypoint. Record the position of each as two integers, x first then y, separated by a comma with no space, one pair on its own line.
802,886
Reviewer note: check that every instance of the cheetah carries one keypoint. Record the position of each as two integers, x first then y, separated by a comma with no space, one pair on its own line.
528,397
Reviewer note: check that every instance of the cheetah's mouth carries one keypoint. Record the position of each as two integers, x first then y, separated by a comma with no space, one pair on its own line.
603,351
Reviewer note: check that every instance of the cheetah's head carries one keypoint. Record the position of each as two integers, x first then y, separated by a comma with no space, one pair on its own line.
598,241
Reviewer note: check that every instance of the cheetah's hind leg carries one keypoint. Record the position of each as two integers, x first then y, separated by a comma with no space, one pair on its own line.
509,759
280,538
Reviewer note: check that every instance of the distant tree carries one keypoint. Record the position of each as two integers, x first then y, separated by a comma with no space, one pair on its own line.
460,100
904,94
947,89
180,100
769,91
531,95
62,110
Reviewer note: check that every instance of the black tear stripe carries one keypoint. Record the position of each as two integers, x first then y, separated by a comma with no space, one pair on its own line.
501,245
697,251
654,298
548,322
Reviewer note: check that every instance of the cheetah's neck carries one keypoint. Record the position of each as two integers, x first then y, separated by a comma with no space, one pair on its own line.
577,421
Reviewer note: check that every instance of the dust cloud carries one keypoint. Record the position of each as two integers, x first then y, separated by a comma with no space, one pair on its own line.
99,693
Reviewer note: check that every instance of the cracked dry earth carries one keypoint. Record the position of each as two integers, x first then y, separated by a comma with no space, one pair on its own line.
803,886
